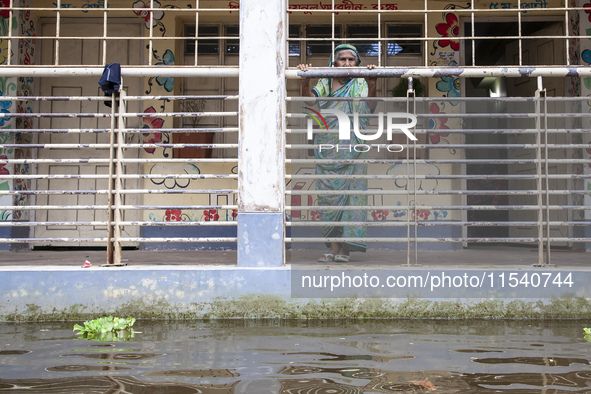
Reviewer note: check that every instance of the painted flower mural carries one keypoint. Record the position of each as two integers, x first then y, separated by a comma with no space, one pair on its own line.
150,122
4,13
437,123
450,86
3,169
587,7
3,51
380,214
211,215
166,60
173,215
448,30
4,105
143,10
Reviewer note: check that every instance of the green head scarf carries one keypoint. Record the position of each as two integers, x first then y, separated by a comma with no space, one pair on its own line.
342,47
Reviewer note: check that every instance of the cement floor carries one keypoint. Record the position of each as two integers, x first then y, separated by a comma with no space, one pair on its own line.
473,257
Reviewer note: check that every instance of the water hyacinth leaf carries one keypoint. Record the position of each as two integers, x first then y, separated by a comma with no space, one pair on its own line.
107,329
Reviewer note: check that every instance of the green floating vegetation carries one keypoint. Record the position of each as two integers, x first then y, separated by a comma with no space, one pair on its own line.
107,329
587,334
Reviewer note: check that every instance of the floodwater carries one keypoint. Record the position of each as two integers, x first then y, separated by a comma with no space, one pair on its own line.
314,357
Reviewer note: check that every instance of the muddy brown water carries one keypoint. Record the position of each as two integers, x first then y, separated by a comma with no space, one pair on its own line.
314,357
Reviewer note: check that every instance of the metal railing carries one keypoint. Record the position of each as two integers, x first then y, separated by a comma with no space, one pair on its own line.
483,171
109,184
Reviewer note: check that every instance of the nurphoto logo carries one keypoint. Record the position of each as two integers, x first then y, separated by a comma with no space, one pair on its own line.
395,122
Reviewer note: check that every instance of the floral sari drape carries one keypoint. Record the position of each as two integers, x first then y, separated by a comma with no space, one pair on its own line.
352,88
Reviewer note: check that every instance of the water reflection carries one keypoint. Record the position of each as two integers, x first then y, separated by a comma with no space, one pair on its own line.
114,356
13,352
547,361
313,357
343,357
84,368
108,384
198,373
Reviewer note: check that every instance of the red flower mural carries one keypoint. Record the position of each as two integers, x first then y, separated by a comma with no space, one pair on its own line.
5,4
143,11
211,215
421,214
587,7
3,170
173,215
449,29
150,122
380,214
437,123
314,215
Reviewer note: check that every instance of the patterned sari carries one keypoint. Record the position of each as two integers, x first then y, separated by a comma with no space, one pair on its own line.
352,88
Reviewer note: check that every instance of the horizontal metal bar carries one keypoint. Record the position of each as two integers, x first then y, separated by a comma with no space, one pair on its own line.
436,207
402,222
126,71
444,176
463,146
293,73
123,161
438,240
436,161
469,192
126,191
181,207
210,223
33,223
123,176
179,239
105,207
178,114
437,72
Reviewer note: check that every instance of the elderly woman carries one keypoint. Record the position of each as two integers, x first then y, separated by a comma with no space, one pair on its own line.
344,56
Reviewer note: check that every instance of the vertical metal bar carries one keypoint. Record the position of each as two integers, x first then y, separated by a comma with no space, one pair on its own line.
566,33
547,179
425,35
10,15
408,208
151,41
105,18
112,153
519,32
196,32
472,34
118,180
57,33
380,33
411,95
332,32
539,175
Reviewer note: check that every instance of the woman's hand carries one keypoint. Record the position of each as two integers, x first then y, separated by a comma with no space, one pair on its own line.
304,67
305,82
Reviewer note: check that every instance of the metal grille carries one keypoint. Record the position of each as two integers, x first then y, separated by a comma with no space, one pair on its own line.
513,175
517,175
103,186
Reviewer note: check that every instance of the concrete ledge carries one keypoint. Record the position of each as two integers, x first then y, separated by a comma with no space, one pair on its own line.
204,292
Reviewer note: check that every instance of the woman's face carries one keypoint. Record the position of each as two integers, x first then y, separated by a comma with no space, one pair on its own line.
345,58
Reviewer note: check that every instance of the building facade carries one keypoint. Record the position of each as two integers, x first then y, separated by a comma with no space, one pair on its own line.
204,146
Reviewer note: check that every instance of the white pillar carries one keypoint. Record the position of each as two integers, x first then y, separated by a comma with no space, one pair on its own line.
261,162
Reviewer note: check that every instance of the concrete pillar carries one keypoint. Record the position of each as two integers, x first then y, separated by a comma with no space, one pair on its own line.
261,168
